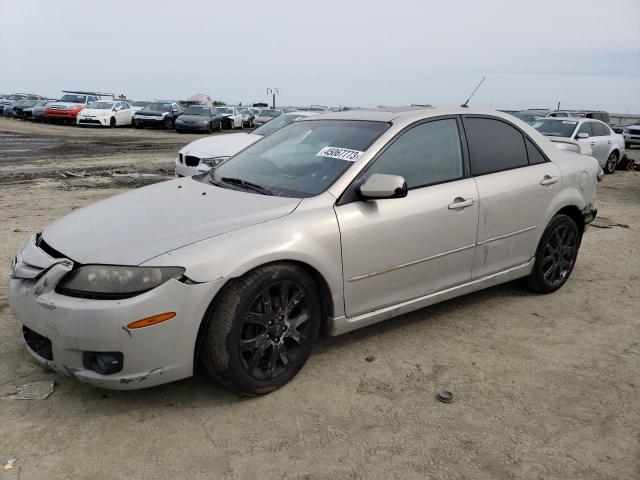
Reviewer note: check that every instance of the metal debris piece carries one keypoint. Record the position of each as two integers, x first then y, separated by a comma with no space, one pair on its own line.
74,174
10,463
370,358
445,396
604,222
33,391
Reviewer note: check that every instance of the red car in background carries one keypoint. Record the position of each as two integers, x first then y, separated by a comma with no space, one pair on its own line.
66,109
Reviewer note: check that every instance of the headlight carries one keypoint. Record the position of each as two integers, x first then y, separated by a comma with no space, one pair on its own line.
213,162
110,282
625,130
568,147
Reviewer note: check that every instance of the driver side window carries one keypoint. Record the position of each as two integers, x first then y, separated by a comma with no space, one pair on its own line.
426,154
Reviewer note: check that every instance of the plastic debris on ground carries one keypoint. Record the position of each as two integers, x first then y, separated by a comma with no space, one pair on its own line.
32,391
10,463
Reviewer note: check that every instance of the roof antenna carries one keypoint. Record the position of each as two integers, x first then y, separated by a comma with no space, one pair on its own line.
466,104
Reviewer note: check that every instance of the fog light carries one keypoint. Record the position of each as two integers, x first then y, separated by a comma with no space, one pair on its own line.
104,363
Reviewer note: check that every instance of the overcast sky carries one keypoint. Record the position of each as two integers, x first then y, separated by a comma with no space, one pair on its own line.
535,53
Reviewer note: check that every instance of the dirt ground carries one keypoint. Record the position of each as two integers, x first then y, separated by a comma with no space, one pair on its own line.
547,387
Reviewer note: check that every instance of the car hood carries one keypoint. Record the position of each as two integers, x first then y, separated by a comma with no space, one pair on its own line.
151,112
134,227
220,145
66,104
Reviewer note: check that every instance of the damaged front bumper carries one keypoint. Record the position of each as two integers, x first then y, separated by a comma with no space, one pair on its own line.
61,330
589,213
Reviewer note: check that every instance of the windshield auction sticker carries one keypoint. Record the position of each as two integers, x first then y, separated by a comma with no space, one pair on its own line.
340,153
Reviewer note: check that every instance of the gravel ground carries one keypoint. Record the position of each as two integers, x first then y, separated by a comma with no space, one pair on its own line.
547,387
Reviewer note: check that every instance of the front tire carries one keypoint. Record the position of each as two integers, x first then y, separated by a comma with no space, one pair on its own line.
112,122
261,331
167,124
612,161
556,255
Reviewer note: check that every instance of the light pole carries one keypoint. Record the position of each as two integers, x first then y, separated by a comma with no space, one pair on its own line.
273,92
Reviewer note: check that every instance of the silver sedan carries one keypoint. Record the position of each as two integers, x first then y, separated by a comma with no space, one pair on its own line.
340,219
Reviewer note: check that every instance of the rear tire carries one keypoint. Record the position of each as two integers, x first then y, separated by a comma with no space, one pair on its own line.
555,256
261,331
612,161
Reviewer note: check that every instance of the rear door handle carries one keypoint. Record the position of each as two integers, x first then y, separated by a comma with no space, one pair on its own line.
548,180
459,203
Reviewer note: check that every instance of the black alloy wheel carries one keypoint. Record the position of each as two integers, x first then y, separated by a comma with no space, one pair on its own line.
556,255
259,333
612,162
274,330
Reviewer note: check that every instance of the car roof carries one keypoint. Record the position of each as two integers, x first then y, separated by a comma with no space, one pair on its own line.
389,114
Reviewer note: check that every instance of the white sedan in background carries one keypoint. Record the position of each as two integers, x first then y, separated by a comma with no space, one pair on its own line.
231,117
106,113
206,153
586,134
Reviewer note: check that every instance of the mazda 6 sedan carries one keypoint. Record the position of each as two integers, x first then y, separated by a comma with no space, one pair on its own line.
338,220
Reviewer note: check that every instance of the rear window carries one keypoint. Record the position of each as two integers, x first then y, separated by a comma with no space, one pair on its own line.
555,128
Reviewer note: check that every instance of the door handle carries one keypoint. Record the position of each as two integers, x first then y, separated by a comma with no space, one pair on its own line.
609,142
548,180
459,203
593,143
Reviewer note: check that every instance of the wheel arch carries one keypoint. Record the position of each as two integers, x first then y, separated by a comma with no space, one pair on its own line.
322,284
575,214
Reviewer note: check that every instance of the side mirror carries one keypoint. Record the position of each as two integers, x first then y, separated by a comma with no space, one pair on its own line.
582,136
382,185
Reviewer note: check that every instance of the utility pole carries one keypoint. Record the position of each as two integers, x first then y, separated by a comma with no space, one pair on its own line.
273,92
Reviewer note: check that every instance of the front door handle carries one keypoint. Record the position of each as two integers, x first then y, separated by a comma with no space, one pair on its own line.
459,203
593,143
548,180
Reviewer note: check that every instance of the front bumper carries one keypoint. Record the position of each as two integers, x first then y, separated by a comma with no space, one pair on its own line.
149,122
192,127
99,121
589,213
185,171
631,139
61,114
153,355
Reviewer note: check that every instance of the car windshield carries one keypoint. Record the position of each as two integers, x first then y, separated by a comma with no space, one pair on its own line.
527,117
276,123
224,110
139,104
300,160
73,98
100,105
197,110
159,107
555,128
269,113
15,97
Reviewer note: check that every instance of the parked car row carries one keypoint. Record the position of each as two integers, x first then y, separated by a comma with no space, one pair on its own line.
91,108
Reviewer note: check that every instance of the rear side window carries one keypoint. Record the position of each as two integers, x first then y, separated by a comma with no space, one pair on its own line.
494,145
426,154
586,128
598,129
535,156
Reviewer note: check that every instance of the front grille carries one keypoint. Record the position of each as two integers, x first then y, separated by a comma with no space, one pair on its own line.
88,120
191,161
39,344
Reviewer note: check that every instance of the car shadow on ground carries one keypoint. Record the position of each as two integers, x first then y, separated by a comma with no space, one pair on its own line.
200,391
